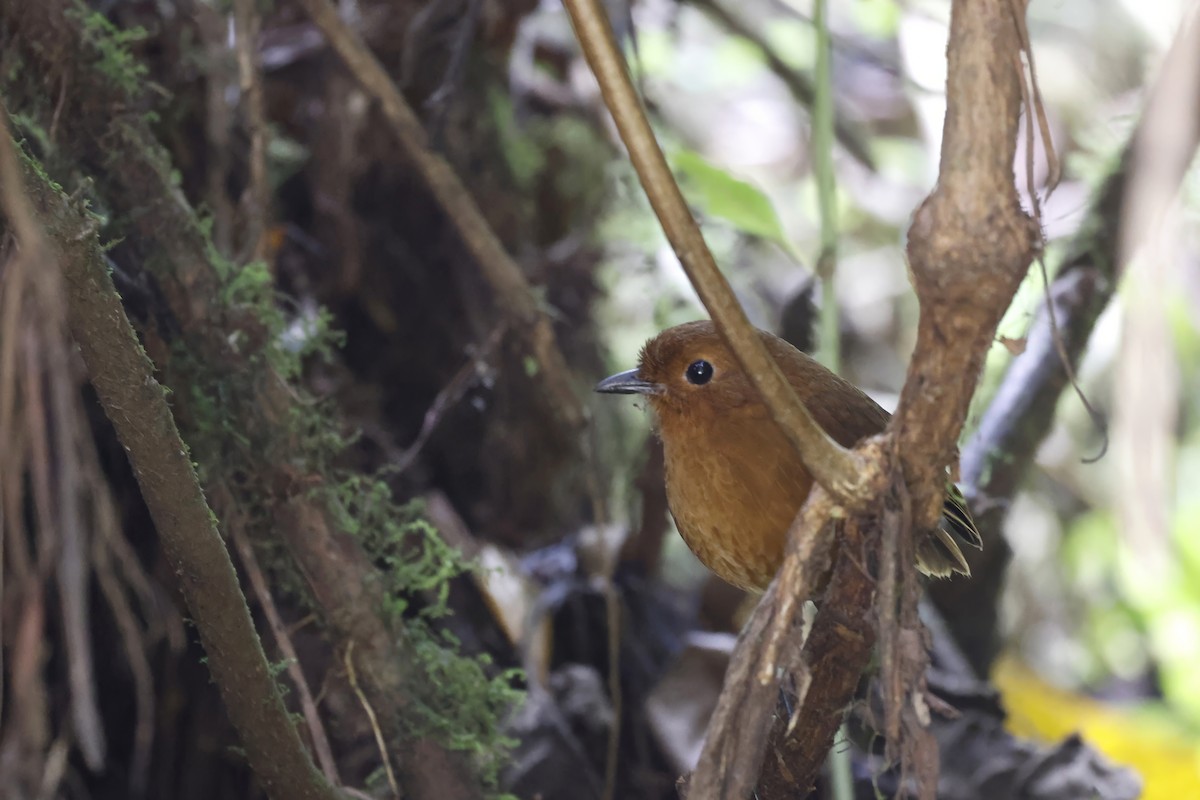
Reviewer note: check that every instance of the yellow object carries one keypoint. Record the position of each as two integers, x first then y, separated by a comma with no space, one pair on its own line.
1167,759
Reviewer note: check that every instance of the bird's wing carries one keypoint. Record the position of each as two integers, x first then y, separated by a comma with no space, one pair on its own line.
958,515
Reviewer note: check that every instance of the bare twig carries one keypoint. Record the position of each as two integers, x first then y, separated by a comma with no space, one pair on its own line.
733,751
1060,346
821,156
56,767
218,122
257,198
1032,101
612,618
451,393
845,474
351,596
38,441
352,676
460,47
131,639
27,734
890,576
308,707
10,483
11,465
72,573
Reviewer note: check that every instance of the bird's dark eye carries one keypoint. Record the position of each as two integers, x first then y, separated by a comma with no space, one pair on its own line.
699,372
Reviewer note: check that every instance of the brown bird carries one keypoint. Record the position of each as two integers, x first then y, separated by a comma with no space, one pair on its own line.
734,481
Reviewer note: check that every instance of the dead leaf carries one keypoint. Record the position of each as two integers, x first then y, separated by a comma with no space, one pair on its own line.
1014,346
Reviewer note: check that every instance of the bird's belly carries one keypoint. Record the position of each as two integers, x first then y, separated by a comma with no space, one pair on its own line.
738,559
735,526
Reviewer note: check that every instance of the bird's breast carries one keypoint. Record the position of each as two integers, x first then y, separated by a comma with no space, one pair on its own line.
734,487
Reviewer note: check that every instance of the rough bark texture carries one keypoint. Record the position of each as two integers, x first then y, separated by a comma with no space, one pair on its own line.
137,406
968,248
1021,413
105,133
837,638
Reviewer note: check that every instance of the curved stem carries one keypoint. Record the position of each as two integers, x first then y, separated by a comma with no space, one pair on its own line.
845,474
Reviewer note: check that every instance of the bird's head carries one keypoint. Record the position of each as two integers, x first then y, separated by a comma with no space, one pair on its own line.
686,370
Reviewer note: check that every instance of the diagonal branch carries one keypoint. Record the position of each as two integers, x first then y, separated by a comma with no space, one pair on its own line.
256,200
103,134
136,404
968,254
737,738
513,293
732,757
842,472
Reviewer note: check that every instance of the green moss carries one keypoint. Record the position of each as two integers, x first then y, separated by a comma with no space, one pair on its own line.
27,125
461,702
525,159
466,705
111,44
284,687
460,699
13,64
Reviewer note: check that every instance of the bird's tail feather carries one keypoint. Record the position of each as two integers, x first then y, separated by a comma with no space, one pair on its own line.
940,554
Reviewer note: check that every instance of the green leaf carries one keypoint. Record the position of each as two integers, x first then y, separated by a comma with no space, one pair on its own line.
721,195
877,18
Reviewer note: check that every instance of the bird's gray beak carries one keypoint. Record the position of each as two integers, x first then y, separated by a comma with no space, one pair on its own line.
626,382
